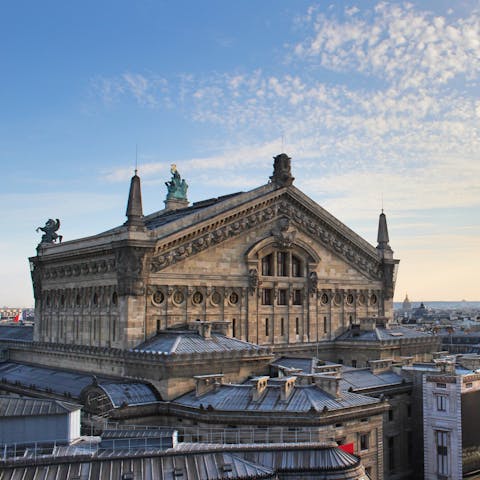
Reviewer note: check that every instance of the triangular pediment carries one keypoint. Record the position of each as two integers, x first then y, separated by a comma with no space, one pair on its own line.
247,212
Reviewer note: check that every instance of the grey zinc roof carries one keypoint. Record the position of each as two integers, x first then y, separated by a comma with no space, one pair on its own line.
192,342
199,466
365,378
304,364
163,217
18,333
26,407
238,398
324,459
63,382
128,393
381,333
43,378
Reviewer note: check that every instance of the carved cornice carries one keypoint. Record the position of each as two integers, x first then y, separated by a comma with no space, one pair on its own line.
79,269
281,207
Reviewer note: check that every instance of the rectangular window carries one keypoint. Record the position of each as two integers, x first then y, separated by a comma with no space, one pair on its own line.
364,440
354,363
409,447
297,326
266,327
297,297
267,296
234,327
324,324
282,297
282,326
442,452
409,411
442,402
282,264
296,267
441,385
390,415
267,265
391,453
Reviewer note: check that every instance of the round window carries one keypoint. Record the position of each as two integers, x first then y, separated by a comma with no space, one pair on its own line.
337,299
216,298
197,298
349,299
178,297
158,297
233,298
373,299
324,298
361,299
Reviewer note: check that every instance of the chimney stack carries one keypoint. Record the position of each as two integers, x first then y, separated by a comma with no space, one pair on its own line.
259,385
207,383
328,383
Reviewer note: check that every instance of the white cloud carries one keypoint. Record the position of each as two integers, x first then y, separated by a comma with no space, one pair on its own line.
395,42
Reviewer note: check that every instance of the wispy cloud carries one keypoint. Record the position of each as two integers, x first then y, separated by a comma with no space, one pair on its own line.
149,90
397,112
407,47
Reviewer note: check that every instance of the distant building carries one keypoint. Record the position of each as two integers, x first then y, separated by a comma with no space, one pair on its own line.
406,306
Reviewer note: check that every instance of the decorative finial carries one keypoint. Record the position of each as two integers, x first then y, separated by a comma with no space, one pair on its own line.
282,175
136,158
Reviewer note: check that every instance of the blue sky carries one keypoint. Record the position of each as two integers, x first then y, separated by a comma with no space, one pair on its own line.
371,98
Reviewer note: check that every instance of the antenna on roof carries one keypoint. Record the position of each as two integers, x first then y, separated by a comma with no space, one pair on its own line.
382,202
136,158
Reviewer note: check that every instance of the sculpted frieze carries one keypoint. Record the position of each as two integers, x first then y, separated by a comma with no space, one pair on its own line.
92,267
292,216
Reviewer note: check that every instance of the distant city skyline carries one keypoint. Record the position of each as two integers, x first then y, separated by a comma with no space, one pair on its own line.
377,103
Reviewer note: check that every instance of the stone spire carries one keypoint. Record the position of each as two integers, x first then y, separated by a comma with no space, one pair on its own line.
134,206
382,237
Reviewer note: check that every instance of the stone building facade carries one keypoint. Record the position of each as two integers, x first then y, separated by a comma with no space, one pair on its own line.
270,264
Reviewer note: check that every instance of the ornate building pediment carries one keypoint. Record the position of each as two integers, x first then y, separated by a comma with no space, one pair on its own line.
289,214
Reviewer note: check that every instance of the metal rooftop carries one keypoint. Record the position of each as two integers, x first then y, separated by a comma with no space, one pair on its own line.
71,384
27,407
158,219
18,333
381,334
364,378
189,341
238,398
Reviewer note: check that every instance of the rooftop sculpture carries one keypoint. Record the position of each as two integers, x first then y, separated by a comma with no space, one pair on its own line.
177,187
50,229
